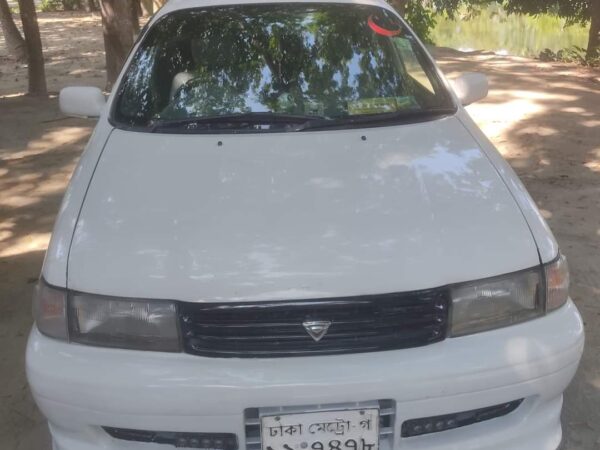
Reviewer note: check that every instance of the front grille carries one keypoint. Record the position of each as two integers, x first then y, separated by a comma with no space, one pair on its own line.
275,329
387,418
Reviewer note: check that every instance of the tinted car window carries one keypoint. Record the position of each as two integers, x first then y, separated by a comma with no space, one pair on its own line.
331,61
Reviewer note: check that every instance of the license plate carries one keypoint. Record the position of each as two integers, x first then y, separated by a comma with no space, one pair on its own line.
324,430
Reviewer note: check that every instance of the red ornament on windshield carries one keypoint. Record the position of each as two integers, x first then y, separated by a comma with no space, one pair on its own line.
380,30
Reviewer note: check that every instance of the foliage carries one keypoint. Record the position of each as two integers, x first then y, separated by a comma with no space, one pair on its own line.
492,28
573,54
421,19
61,5
420,14
575,11
51,5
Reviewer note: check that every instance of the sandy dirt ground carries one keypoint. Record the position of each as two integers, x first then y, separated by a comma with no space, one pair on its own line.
544,118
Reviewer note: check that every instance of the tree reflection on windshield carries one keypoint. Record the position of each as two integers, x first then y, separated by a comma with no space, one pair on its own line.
312,59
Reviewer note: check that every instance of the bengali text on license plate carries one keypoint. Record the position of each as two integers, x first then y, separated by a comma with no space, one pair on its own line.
323,430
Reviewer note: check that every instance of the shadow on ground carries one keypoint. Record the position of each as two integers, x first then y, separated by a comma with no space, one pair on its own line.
38,151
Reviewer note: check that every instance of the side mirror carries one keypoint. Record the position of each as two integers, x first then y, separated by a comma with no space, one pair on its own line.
470,87
81,101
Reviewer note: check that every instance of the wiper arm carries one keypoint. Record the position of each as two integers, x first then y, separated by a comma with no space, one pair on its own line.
252,118
304,122
398,116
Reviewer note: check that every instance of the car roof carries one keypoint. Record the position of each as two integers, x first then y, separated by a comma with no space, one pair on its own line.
174,5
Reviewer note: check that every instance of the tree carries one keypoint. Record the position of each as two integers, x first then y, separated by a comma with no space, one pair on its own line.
147,7
33,42
136,13
119,30
420,14
575,11
399,5
593,49
12,36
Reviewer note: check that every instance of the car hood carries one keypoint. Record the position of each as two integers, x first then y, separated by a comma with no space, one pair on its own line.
295,215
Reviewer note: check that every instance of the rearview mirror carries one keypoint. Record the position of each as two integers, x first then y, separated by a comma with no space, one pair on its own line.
81,101
470,87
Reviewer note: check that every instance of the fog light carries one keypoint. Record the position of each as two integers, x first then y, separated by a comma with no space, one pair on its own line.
435,424
205,441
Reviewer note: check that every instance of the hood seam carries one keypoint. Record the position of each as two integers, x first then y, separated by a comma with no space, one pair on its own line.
87,188
512,194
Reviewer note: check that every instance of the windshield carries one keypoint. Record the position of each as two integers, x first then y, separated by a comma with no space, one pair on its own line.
267,66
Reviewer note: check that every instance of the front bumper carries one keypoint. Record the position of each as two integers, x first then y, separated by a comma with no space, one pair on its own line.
81,388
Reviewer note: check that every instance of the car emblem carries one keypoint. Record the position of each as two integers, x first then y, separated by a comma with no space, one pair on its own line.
316,329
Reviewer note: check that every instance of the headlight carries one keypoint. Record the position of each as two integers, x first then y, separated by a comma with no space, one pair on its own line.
106,321
506,300
123,323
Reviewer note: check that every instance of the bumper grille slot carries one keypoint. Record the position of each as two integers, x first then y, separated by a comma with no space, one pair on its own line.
387,419
275,329
205,441
436,424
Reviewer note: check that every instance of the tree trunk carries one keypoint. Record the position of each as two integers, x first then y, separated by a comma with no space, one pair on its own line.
118,35
136,12
147,7
593,49
12,36
399,5
35,66
158,4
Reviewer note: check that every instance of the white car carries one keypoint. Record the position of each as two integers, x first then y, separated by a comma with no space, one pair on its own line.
286,233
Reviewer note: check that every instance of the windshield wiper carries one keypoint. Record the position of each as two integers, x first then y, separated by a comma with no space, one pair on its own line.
406,116
303,122
191,124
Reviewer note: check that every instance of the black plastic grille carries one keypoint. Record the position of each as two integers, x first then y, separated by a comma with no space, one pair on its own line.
436,424
206,441
274,329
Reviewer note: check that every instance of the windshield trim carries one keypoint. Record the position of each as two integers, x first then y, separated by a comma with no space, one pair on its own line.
429,61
